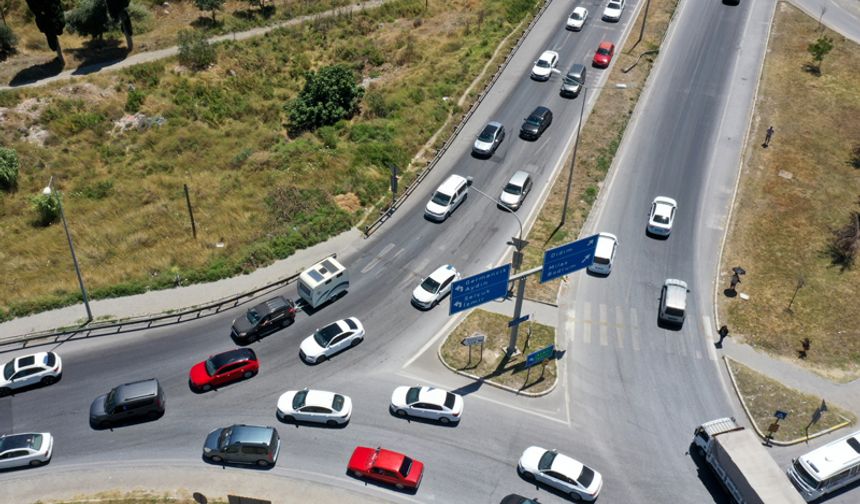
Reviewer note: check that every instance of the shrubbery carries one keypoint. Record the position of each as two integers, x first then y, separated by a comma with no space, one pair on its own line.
47,207
328,96
8,41
9,165
195,51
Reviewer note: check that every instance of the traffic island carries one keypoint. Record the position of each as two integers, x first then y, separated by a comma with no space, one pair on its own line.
782,414
465,352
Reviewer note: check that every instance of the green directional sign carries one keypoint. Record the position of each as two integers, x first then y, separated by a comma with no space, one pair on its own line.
540,355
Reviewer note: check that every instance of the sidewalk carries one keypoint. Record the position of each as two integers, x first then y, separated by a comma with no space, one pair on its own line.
145,57
161,301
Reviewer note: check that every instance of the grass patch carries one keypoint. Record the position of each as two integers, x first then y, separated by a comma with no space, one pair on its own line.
611,113
494,367
781,227
136,497
763,396
254,188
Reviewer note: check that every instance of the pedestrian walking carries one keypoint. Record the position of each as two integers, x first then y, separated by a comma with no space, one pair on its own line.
768,135
736,279
723,332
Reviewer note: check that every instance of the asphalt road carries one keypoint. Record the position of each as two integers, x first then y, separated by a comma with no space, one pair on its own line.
842,16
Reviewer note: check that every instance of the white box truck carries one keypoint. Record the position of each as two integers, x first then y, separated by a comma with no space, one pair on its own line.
323,282
744,467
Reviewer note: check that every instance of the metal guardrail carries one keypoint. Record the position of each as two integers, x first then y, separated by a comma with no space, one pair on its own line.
140,323
388,212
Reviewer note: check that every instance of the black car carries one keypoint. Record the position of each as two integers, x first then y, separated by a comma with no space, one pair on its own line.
517,499
268,316
535,124
127,402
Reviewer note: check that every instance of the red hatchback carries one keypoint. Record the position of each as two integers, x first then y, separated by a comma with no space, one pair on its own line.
386,466
224,368
604,54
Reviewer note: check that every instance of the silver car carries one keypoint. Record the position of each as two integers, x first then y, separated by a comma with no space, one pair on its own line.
489,139
516,190
20,450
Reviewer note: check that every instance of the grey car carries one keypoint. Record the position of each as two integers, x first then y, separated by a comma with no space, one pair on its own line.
573,80
535,124
266,317
489,139
127,402
243,444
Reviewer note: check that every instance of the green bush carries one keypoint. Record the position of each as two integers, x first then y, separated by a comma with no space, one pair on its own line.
328,96
195,52
134,101
89,18
47,207
8,41
9,165
146,74
97,191
515,10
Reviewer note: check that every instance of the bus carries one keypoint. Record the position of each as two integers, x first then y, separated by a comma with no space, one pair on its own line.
827,468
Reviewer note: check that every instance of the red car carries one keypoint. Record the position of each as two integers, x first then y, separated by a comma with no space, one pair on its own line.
386,466
604,54
224,368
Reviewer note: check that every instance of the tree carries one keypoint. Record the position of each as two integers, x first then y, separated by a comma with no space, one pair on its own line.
210,5
8,168
194,50
328,96
47,207
846,242
118,12
50,20
8,41
89,18
819,49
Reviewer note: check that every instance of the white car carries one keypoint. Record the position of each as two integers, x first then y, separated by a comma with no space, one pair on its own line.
516,190
577,18
435,287
662,216
19,450
613,10
331,339
43,367
604,254
544,65
314,406
427,402
561,472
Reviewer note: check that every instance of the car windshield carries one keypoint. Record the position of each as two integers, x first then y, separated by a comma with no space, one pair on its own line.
8,369
253,316
216,362
614,5
604,51
299,399
412,395
324,335
674,311
441,198
586,476
337,402
224,437
569,79
110,401
449,400
546,461
488,135
430,285
533,120
543,63
805,476
659,217
601,260
576,16
405,466
513,189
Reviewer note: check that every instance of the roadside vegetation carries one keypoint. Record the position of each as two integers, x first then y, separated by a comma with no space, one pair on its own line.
136,497
763,396
601,135
796,221
259,187
493,366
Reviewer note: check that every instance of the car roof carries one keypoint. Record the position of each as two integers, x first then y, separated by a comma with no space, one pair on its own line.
443,272
666,200
834,456
251,434
137,389
230,356
540,110
270,305
548,55
319,398
580,9
606,45
567,466
604,244
451,183
387,459
576,69
519,178
495,124
676,293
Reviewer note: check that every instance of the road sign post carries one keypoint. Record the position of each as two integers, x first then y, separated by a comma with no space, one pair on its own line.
475,339
479,289
537,357
560,261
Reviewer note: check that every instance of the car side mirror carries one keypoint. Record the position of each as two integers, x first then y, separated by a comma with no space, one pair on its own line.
469,180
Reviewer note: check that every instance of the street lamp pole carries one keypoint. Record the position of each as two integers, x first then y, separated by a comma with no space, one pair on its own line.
517,262
48,191
573,157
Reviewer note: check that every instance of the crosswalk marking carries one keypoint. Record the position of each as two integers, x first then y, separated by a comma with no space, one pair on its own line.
634,329
586,330
604,330
570,329
619,326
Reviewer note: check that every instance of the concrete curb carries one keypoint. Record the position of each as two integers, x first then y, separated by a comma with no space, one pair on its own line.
728,360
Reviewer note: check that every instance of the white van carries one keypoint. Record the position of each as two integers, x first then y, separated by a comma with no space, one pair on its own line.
673,301
447,198
827,468
604,254
323,282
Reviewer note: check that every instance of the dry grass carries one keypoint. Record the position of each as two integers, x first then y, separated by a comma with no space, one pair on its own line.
136,497
494,367
608,120
781,227
764,396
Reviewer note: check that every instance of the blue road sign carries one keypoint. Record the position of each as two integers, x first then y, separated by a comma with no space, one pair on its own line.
780,414
540,355
479,289
518,321
568,258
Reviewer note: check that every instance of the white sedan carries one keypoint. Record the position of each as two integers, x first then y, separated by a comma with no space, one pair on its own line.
427,402
19,450
40,368
561,472
435,287
662,216
577,18
314,406
613,10
331,339
544,65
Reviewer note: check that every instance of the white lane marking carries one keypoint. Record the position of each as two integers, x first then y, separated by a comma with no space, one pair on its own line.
709,337
570,329
372,264
397,254
603,322
699,354
586,319
634,328
445,329
619,325
477,395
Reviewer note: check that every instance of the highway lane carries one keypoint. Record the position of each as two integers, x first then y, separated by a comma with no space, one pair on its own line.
474,462
842,16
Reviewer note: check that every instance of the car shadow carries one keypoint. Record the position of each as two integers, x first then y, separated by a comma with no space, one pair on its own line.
242,342
380,484
24,467
425,421
29,388
120,424
317,425
595,274
224,465
656,236
669,326
551,490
